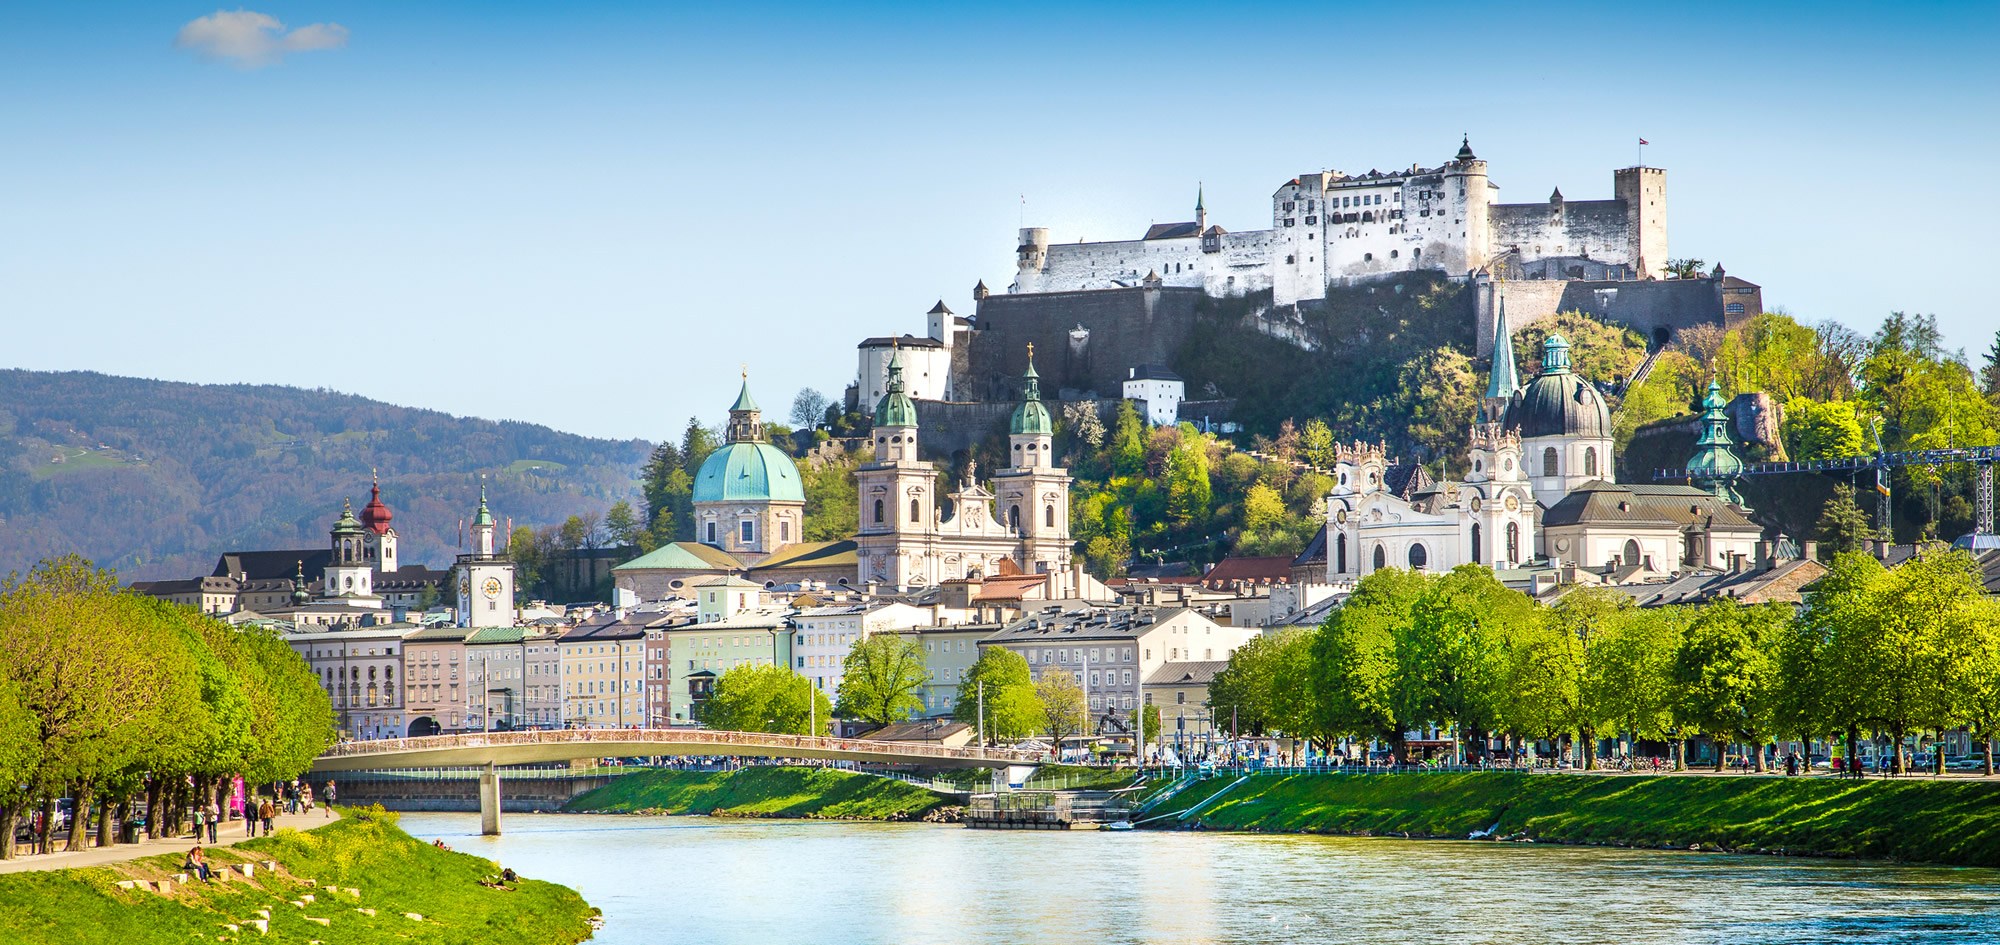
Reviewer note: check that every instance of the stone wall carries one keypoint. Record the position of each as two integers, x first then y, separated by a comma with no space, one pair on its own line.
1120,329
1656,308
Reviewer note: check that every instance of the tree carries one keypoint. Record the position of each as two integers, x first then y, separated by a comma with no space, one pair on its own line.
1989,373
1063,711
1128,441
1815,430
1188,490
1451,659
808,409
1012,709
761,698
1685,268
1900,643
1843,527
1354,657
833,506
1263,509
883,678
1629,671
1316,444
623,527
1725,677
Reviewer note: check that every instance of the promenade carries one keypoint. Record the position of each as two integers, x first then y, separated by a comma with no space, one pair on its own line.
230,834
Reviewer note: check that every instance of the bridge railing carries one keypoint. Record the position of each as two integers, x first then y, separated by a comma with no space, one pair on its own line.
724,740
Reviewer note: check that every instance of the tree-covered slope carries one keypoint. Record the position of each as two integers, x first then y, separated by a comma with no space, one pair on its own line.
156,478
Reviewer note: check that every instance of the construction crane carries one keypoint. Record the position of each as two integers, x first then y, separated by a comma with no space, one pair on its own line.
1984,457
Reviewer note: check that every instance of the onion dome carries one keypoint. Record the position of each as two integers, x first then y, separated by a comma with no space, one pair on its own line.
300,596
1031,418
347,524
484,516
376,516
895,409
1465,149
1715,465
1558,402
747,469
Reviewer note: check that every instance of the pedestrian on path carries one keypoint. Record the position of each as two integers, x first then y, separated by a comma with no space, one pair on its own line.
199,813
268,811
329,798
214,820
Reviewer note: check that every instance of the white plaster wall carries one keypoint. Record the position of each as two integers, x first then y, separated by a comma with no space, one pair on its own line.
926,373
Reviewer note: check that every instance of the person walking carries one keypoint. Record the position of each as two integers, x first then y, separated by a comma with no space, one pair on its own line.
329,798
200,812
214,821
249,815
267,810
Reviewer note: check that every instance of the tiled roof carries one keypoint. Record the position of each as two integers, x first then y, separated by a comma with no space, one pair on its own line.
1270,569
271,564
1171,231
1599,503
811,554
1085,622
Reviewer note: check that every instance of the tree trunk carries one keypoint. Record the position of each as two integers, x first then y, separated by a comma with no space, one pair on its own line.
1680,754
48,831
79,824
1721,755
1986,750
1853,751
9,815
105,811
153,809
1758,747
1900,762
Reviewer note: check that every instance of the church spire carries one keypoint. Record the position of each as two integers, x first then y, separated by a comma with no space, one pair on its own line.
895,409
1200,210
1505,379
746,423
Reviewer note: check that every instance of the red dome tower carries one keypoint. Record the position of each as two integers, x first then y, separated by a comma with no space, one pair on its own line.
375,516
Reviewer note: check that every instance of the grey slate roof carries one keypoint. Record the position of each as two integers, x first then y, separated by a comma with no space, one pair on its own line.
1194,673
1600,503
1084,622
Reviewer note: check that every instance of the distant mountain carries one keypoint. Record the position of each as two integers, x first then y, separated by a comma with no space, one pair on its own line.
156,478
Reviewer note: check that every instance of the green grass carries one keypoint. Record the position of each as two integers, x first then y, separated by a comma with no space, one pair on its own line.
535,465
1081,777
395,872
78,460
763,791
1955,822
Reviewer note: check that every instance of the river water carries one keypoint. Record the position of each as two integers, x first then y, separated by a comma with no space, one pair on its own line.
665,880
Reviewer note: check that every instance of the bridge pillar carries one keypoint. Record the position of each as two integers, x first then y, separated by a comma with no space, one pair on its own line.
489,801
1011,777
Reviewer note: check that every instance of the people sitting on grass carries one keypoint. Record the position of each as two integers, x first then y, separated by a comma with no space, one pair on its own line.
197,863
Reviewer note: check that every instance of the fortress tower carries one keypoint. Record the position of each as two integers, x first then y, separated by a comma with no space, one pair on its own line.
1644,191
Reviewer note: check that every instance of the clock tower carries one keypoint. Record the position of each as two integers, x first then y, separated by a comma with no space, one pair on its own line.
485,576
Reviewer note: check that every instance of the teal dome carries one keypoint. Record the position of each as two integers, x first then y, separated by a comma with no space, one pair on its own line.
895,409
748,472
1031,418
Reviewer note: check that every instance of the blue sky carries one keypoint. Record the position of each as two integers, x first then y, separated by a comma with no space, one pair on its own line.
590,215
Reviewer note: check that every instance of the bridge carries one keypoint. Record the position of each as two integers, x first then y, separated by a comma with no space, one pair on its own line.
493,749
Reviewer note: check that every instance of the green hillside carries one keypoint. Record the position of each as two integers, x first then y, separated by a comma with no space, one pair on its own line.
156,478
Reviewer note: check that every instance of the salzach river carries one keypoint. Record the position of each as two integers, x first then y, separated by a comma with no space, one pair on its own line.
666,880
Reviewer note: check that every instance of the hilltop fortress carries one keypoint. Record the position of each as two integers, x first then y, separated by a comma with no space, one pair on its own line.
1329,228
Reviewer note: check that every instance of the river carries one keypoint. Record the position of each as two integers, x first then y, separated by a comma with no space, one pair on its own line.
665,880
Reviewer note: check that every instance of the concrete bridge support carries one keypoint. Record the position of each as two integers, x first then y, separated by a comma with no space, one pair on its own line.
489,801
1012,777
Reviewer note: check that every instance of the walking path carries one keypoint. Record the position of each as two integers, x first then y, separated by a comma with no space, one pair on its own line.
230,835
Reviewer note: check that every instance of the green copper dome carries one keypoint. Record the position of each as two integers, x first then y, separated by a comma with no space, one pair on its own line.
347,523
1715,465
748,472
1031,418
743,401
895,409
484,516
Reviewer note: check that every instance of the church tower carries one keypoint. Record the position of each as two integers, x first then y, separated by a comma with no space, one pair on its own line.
485,577
349,572
381,536
1032,492
896,491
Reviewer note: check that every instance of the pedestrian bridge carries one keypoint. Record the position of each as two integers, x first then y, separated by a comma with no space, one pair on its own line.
493,749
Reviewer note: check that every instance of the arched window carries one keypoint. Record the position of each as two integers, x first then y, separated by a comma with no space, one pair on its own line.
1340,554
1631,551
1514,542
1590,461
1048,516
1418,557
878,513
1477,556
1549,461
916,512
1381,558
1013,516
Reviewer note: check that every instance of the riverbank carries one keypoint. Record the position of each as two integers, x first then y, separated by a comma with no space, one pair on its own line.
1948,822
361,880
766,791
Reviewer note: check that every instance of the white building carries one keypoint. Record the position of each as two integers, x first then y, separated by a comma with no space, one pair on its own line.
1112,650
358,668
926,361
1159,390
485,576
823,636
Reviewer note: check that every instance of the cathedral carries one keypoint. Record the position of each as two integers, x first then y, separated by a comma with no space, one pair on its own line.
1020,525
1541,486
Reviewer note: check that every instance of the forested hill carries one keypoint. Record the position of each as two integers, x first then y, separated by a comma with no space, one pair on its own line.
156,478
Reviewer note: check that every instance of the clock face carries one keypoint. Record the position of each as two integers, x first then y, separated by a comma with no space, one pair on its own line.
1513,503
491,587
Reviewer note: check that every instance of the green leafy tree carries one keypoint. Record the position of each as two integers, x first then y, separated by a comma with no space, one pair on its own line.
1725,676
1902,645
1843,526
1814,430
759,698
1128,441
1188,489
1063,711
1355,657
622,526
1629,672
833,504
1686,268
1012,709
1451,659
1316,445
883,679
1989,373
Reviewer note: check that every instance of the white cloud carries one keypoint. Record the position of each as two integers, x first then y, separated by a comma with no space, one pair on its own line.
254,40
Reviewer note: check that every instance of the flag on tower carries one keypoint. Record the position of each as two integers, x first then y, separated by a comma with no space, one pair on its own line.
1644,141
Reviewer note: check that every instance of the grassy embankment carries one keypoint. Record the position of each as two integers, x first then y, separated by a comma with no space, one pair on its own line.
1955,822
395,873
762,791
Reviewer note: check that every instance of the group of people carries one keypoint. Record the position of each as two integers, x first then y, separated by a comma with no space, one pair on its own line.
295,797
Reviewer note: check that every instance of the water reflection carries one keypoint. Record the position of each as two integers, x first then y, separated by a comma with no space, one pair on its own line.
694,879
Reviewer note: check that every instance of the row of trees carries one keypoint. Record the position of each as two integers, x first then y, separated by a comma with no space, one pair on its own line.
882,681
1900,652
133,706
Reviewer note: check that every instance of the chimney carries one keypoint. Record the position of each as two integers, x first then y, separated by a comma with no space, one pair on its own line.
1809,550
1764,555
